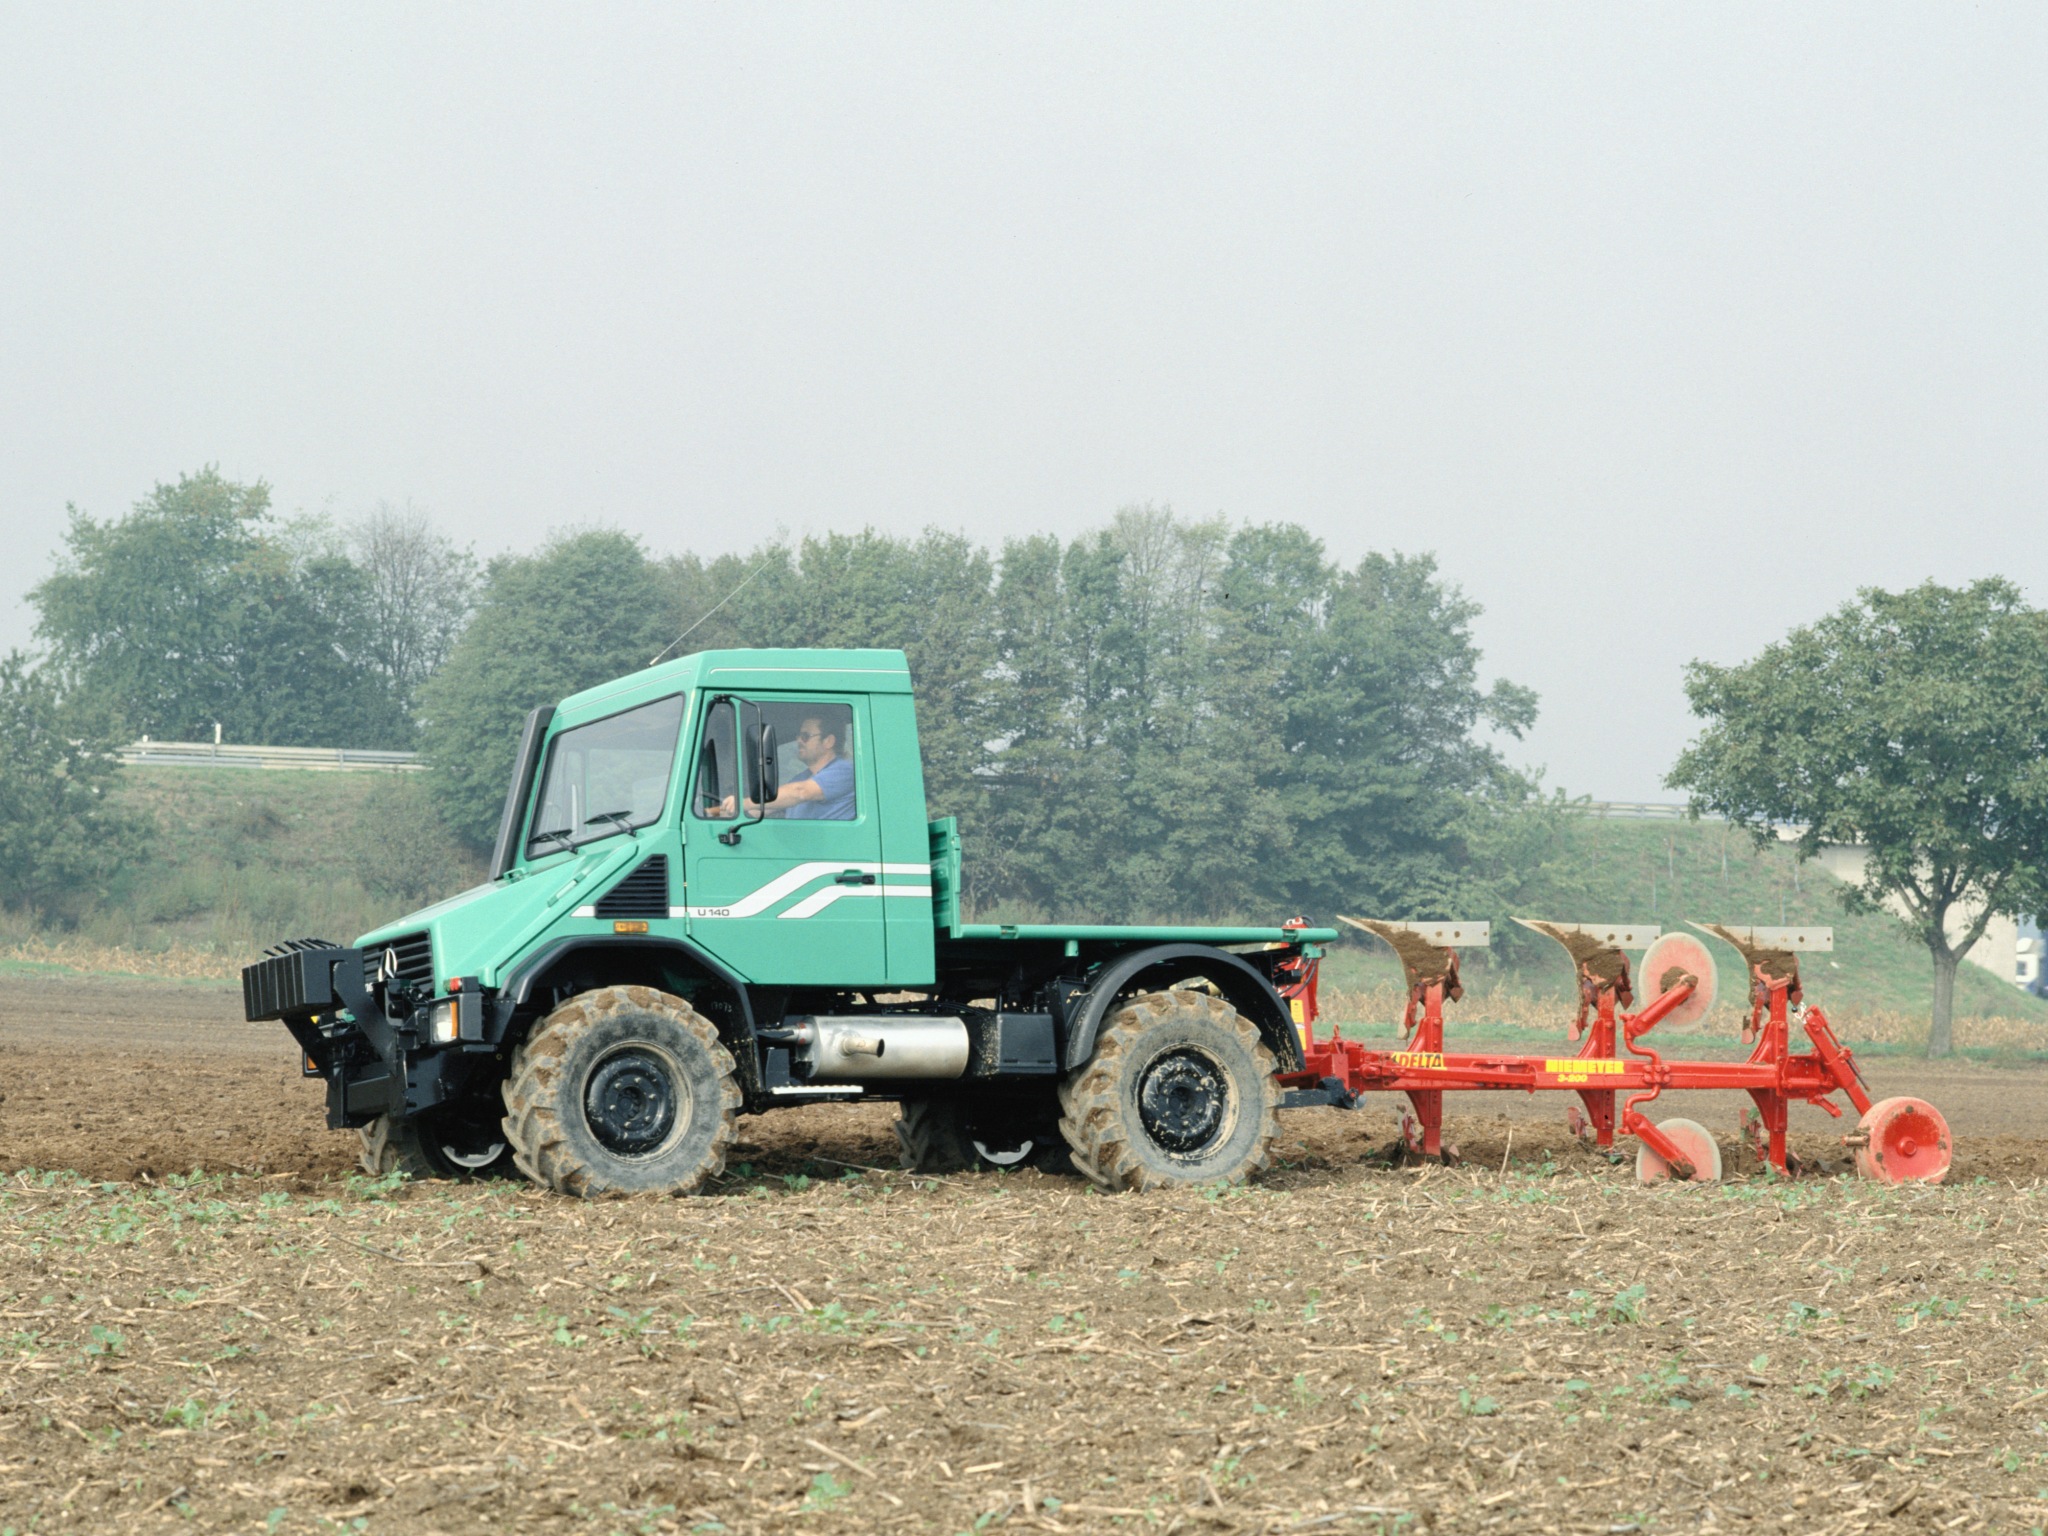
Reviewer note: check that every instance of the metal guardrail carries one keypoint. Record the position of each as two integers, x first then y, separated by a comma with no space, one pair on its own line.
1634,810
206,754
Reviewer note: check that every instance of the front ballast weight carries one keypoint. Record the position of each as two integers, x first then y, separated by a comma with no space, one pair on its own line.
1896,1140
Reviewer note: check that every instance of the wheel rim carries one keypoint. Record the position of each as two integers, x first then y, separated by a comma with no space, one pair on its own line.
1002,1155
633,1103
1184,1102
1908,1142
473,1160
462,1139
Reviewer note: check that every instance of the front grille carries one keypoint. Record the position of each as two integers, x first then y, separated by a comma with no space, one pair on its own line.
414,957
643,893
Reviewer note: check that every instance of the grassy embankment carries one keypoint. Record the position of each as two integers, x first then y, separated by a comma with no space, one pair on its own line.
240,858
243,857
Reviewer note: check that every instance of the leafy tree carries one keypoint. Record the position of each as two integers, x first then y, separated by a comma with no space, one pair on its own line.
197,610
1163,717
1525,854
1124,779
1205,722
587,607
418,592
1913,724
716,598
61,839
1378,699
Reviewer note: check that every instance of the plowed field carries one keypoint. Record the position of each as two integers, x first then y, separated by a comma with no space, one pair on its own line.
207,1322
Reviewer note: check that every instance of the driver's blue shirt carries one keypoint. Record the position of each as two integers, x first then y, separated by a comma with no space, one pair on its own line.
835,780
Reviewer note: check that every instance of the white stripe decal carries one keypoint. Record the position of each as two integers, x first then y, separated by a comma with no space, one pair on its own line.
818,901
791,881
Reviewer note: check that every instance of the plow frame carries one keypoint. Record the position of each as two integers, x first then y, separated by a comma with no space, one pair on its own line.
1774,1075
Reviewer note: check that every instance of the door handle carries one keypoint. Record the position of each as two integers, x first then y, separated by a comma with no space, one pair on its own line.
853,877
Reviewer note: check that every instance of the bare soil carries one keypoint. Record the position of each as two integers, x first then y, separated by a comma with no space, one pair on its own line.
823,1343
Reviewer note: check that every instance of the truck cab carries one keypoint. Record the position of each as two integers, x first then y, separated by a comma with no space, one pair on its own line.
716,887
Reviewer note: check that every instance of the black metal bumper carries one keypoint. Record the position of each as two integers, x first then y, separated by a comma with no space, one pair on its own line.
322,993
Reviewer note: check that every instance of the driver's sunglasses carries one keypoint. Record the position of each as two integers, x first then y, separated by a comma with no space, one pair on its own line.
810,735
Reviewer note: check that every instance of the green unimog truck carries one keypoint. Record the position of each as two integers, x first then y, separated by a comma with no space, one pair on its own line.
715,890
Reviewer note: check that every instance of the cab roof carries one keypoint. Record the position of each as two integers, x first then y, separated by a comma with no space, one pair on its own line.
777,671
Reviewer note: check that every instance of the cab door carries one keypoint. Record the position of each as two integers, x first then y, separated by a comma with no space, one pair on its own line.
781,883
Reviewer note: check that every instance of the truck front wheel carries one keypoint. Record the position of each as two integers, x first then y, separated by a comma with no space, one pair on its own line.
621,1090
1179,1090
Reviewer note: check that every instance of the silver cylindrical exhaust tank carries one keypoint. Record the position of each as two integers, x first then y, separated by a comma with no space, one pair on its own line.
838,1050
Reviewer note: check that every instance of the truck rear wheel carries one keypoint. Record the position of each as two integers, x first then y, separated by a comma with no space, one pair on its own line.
1179,1090
451,1141
622,1090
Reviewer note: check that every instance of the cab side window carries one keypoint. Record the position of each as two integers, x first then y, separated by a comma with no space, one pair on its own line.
813,778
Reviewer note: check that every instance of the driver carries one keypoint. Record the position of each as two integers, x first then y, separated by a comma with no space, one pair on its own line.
824,792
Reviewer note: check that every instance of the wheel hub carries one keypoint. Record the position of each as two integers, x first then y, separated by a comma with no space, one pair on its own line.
631,1102
1182,1100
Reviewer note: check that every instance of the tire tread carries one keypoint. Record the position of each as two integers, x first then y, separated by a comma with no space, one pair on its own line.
1091,1119
540,1146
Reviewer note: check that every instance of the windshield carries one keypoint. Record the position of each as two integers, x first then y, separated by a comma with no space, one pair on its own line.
606,777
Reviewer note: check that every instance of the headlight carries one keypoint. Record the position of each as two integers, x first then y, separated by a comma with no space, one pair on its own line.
441,1022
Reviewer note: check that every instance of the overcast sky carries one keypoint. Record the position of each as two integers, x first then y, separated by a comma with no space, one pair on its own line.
1664,327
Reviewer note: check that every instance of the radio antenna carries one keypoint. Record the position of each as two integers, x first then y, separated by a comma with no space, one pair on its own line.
735,592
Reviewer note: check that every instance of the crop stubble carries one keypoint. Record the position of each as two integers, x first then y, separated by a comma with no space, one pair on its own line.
830,1347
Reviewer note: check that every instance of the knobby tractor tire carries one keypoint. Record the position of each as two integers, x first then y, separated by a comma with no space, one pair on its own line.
464,1141
621,1090
930,1137
949,1135
1179,1090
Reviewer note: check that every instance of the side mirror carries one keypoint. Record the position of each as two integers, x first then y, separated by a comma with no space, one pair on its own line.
769,776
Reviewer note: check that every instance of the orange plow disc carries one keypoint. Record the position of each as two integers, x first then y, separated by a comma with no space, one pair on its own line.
1672,956
1902,1141
1694,1141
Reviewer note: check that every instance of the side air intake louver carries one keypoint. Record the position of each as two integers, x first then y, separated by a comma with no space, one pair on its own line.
643,893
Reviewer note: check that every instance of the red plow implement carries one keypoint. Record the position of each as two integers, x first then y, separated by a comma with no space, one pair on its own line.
1608,1065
